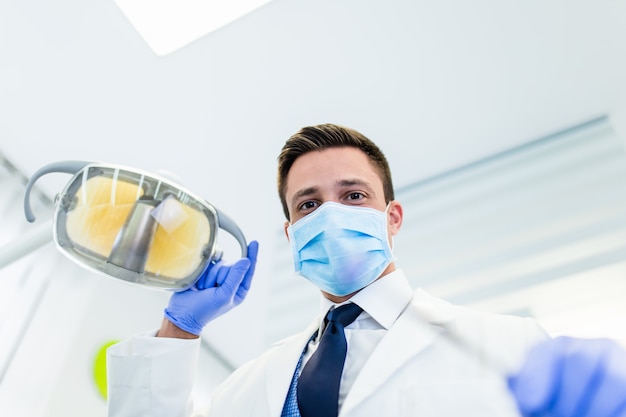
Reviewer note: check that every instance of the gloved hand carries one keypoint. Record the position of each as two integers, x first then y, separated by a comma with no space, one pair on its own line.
567,377
220,288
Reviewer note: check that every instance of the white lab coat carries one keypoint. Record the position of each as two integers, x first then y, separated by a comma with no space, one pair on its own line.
419,368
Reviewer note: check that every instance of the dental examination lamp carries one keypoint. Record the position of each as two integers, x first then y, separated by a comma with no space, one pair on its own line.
134,226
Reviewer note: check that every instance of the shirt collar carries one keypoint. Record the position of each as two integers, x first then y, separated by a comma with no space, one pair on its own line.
383,300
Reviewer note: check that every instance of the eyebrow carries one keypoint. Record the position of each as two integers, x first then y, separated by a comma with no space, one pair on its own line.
303,193
352,182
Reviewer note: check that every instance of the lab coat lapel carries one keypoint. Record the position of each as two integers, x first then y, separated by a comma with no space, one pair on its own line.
281,366
414,330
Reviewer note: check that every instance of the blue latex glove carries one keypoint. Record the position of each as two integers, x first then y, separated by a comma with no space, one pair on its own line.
220,288
569,377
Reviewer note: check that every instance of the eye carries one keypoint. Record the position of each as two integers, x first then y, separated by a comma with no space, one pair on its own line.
308,206
355,196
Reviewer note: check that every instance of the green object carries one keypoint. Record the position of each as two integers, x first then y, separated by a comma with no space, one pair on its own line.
100,368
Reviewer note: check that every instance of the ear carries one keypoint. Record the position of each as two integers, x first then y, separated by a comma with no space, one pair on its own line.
285,226
394,217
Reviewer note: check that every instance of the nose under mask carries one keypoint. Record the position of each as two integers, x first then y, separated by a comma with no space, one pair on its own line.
339,248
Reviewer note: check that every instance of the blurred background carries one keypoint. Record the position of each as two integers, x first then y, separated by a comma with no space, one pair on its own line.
504,124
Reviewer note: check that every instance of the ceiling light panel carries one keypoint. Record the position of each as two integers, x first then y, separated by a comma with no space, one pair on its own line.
168,25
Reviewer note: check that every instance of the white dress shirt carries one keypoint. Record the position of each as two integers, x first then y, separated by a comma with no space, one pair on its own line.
382,302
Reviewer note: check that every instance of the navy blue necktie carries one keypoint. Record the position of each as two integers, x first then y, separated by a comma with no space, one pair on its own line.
318,385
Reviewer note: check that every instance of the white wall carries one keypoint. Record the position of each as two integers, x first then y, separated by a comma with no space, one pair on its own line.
436,84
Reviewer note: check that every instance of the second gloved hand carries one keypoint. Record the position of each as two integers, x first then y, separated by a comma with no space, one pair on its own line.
220,288
570,377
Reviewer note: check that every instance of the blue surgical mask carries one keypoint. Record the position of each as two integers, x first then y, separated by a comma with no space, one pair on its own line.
341,249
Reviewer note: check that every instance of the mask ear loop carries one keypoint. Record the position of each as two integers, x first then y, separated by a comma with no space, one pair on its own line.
389,236
66,167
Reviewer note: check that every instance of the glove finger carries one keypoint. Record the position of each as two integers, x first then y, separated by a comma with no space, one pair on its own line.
253,251
534,387
209,276
582,370
242,291
610,398
232,280
222,274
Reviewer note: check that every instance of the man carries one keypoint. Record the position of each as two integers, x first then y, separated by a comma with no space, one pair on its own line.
406,352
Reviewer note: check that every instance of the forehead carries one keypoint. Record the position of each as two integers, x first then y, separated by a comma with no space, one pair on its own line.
326,167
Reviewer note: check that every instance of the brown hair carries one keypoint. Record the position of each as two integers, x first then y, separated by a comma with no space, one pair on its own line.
317,138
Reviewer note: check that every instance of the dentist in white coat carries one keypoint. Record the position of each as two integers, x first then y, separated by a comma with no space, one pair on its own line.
408,353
